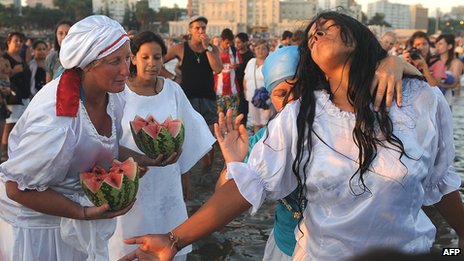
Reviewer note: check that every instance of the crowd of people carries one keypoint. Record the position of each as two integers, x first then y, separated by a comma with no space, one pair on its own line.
351,156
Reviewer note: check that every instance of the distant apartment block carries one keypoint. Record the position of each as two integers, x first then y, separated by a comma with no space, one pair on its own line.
400,16
193,7
115,8
272,16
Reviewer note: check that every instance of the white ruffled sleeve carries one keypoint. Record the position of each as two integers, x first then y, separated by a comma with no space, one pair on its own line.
269,173
198,138
39,156
443,178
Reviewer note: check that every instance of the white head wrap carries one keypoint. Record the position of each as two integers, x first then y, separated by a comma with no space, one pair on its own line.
90,39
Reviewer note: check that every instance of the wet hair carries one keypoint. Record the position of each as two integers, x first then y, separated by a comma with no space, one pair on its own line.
37,42
57,46
417,35
227,34
449,39
242,36
310,78
142,38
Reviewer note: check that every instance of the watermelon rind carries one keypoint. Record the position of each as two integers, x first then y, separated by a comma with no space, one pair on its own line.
118,196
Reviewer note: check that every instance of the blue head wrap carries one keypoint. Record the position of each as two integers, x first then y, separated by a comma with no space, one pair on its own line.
280,66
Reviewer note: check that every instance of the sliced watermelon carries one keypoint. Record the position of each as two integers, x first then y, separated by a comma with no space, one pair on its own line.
174,127
114,187
91,181
152,130
154,138
136,126
114,179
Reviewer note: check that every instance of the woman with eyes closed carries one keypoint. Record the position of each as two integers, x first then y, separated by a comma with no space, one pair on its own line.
160,202
365,173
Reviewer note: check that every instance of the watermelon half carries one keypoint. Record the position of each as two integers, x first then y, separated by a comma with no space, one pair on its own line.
116,186
153,138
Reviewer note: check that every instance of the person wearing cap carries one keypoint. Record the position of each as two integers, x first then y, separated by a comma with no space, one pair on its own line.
70,125
199,61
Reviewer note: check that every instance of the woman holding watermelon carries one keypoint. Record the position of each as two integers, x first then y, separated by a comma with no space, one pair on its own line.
160,205
69,126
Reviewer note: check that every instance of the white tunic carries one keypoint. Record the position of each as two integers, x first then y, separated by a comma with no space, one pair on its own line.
47,151
337,223
160,205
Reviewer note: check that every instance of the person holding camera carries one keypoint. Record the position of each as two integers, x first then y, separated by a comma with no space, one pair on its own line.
419,55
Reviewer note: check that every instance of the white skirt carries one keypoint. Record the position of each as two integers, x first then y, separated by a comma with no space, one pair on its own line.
24,244
272,252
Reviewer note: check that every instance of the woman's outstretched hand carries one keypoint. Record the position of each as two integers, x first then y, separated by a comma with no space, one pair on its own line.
152,247
232,137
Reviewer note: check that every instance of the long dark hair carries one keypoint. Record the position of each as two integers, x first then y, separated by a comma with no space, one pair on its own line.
142,38
449,39
366,55
57,46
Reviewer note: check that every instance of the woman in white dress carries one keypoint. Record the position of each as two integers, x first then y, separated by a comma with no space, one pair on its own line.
70,125
254,80
160,205
365,174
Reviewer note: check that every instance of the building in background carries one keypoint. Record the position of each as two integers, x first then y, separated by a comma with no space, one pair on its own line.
419,17
193,7
154,4
251,16
350,7
114,8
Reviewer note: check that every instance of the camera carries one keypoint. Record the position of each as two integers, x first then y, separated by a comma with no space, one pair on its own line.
415,54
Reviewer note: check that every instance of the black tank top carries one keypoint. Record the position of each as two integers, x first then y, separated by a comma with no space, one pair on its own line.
20,82
197,77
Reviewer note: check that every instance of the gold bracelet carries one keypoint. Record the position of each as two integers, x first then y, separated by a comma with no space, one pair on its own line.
84,209
174,240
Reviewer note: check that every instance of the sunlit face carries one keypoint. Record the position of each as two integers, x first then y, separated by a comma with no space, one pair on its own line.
279,93
197,29
148,60
327,48
387,42
422,45
41,51
15,44
61,32
442,46
239,44
261,51
110,73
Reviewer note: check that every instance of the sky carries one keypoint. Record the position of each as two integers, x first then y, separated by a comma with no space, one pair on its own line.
444,5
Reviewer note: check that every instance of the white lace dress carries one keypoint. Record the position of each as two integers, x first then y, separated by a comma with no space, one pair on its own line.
47,151
337,223
160,205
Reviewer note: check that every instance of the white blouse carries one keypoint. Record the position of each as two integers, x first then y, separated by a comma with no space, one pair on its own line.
254,78
47,151
160,205
340,220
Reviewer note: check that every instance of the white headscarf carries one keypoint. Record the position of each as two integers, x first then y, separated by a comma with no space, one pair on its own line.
90,39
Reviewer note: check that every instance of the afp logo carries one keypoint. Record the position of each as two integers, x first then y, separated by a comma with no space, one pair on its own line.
448,251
